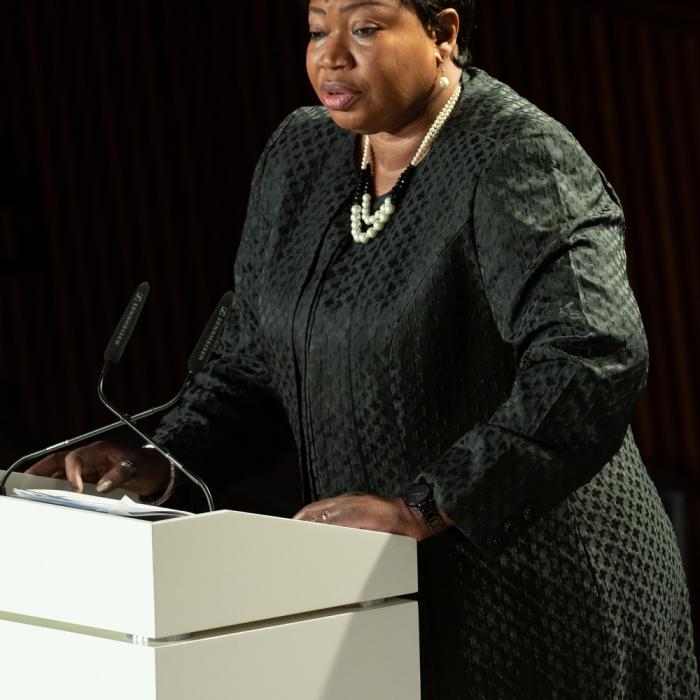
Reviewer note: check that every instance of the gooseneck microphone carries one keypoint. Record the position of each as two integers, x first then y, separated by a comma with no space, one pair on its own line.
197,360
115,348
125,328
207,341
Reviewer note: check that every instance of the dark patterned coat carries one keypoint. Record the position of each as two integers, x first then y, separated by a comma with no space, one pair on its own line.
488,341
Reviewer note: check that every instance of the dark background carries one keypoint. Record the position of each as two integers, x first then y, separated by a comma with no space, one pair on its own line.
128,134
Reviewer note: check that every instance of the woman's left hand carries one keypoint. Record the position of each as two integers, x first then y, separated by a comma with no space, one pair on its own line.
368,512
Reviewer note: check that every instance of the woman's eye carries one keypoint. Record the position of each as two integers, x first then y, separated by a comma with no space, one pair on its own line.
366,31
316,35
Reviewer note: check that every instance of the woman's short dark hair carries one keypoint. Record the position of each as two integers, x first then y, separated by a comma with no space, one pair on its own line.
427,12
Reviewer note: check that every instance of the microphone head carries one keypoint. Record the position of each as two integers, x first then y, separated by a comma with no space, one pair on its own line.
207,341
125,327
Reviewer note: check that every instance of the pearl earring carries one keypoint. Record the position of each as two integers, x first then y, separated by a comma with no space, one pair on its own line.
444,81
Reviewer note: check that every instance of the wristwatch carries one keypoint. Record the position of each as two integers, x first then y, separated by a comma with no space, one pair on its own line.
420,497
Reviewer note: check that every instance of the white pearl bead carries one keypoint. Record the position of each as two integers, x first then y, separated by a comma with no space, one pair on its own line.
363,213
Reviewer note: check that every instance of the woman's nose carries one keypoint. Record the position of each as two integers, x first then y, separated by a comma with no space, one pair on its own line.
336,53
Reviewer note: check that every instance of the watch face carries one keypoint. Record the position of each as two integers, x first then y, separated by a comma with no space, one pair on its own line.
418,494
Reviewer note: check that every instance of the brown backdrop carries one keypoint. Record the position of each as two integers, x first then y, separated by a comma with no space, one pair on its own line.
128,134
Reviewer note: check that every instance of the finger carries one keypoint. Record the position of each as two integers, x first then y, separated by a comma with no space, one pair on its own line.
312,511
87,463
48,466
310,515
74,470
114,478
315,515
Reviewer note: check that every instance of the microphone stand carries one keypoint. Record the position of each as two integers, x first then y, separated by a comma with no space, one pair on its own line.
126,420
93,433
115,348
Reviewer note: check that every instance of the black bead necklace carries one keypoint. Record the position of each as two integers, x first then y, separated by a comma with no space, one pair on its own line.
361,211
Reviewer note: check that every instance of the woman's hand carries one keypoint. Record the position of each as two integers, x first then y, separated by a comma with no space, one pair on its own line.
99,463
368,512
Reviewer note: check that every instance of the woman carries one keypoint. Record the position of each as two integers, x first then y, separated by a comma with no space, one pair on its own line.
458,361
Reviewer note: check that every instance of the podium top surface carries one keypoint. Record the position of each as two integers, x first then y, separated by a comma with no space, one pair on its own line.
200,572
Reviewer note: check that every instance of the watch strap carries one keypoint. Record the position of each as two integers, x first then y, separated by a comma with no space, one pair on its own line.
428,510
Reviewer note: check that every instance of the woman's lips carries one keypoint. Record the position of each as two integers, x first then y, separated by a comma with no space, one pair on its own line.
338,97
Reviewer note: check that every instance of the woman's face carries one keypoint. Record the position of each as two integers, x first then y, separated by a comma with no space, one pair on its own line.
371,63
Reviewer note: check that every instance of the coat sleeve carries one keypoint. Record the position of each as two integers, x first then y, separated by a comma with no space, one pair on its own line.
549,235
230,419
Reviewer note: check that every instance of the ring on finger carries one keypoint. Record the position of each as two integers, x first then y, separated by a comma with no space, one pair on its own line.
129,468
324,515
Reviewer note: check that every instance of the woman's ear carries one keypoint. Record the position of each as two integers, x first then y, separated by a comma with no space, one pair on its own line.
445,32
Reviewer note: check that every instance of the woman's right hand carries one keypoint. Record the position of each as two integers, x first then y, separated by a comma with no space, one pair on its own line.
99,463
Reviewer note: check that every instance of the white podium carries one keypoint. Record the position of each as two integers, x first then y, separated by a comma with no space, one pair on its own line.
211,606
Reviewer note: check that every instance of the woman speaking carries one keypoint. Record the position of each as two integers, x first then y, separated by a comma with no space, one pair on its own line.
431,290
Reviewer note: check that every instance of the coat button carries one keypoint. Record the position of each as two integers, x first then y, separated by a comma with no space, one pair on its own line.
529,514
508,529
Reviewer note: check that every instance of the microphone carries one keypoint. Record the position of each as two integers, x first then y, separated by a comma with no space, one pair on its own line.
198,359
125,328
122,333
207,341
115,349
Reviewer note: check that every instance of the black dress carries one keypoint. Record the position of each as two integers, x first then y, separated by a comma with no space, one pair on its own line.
488,341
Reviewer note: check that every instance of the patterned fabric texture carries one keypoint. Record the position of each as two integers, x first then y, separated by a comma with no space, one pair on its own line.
488,341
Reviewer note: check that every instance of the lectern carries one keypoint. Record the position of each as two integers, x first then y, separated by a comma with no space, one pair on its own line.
222,605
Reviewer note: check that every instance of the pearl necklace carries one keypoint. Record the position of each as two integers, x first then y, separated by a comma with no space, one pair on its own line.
361,211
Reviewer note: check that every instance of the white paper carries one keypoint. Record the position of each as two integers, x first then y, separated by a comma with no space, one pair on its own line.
99,504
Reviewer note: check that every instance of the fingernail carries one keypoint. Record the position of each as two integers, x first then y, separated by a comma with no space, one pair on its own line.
103,486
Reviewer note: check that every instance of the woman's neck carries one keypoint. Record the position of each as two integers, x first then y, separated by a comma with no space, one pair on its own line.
392,152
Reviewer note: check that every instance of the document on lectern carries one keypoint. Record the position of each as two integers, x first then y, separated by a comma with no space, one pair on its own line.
125,506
